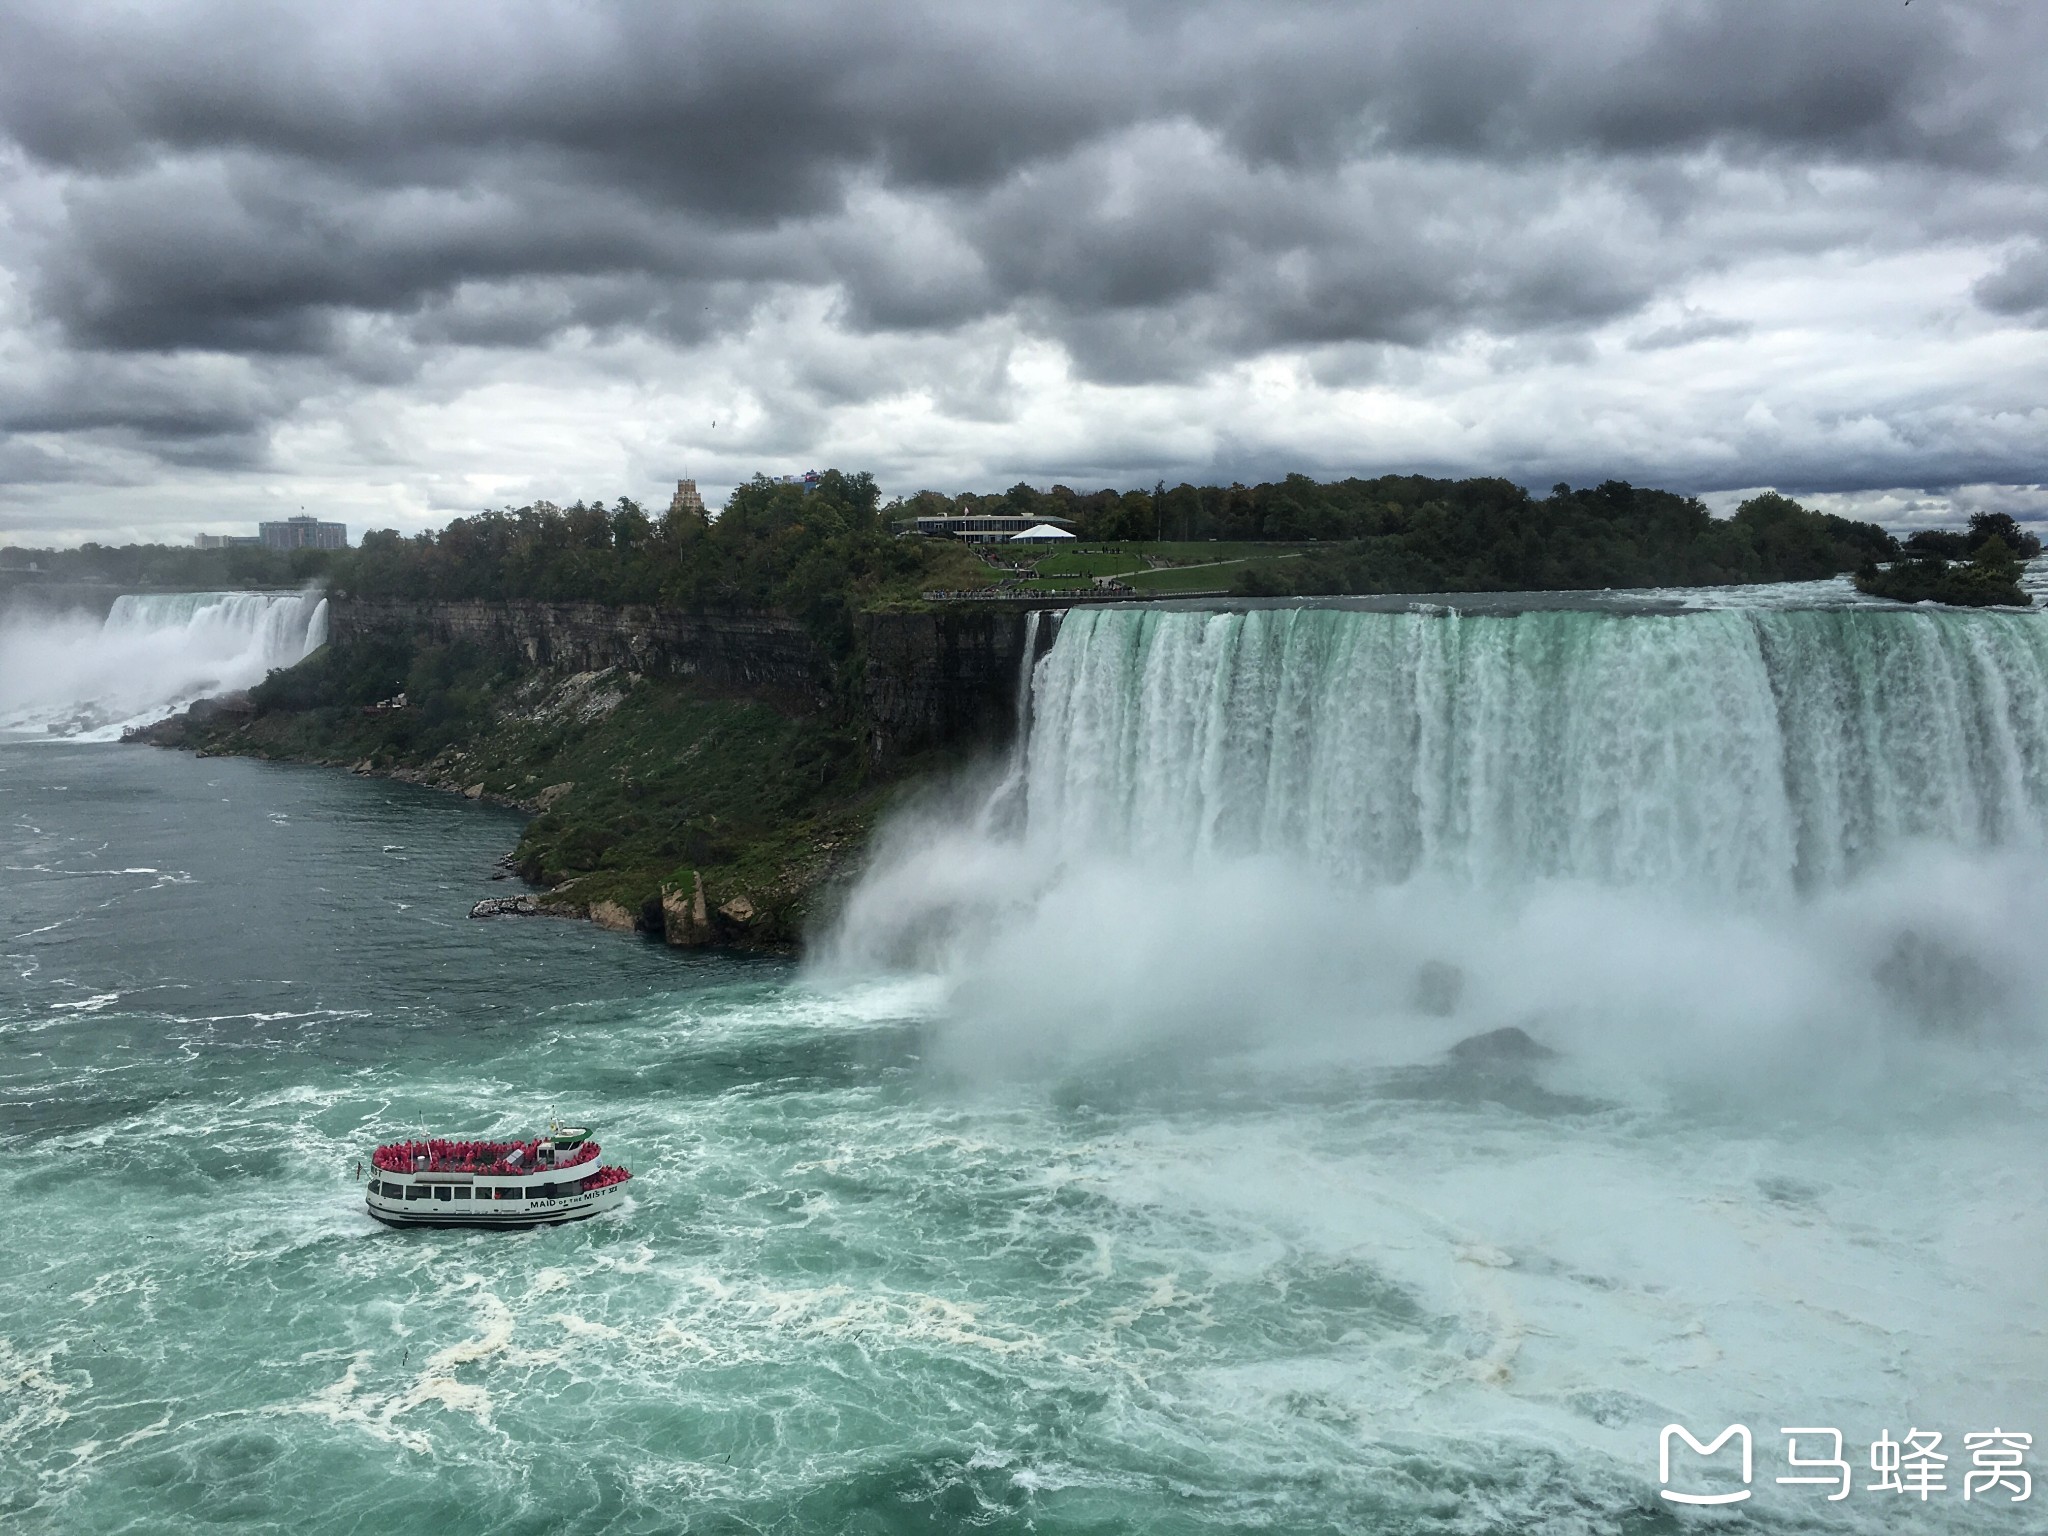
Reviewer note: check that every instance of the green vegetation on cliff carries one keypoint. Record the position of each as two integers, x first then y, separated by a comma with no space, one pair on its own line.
641,786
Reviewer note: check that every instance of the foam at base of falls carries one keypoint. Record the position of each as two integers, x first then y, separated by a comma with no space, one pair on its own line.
152,655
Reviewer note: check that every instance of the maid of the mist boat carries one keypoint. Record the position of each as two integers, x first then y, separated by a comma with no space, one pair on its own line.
442,1182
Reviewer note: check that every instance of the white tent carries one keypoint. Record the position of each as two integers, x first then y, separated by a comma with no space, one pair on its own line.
1043,533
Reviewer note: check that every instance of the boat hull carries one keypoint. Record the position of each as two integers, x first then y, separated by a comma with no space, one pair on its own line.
489,1223
490,1214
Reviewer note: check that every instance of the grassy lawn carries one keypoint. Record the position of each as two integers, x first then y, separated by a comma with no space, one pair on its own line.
1090,560
1089,563
1198,578
1050,584
1193,567
1201,552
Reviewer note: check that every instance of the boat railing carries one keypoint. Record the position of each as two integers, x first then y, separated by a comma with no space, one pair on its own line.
489,1159
551,1189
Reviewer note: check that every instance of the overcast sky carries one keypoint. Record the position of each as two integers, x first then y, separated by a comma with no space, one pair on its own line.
395,262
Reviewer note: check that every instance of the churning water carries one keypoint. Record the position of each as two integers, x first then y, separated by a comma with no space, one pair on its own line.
1357,1072
73,675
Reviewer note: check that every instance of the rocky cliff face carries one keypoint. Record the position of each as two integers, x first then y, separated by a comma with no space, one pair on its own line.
942,679
930,680
761,655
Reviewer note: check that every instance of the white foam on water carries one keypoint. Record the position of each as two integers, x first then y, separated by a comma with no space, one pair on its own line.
36,1392
89,1004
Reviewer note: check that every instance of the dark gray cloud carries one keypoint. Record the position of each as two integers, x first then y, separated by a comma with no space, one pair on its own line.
2019,286
344,198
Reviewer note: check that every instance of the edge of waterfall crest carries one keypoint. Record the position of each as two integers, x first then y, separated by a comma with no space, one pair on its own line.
1739,751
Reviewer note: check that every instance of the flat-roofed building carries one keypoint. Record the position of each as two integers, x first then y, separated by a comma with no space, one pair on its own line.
984,527
303,533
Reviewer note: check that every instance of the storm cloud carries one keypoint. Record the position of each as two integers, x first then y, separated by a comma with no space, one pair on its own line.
403,261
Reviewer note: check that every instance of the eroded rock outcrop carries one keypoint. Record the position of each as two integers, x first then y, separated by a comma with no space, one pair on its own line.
685,916
506,906
612,915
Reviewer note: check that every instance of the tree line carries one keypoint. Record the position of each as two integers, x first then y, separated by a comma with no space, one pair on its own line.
1403,533
1492,536
1974,568
172,567
822,553
817,554
1295,509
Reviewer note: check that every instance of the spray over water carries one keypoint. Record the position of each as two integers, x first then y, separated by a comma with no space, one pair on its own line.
1718,825
73,675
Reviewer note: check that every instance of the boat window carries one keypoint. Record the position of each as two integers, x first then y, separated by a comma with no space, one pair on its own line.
392,1191
415,1191
462,1192
443,1192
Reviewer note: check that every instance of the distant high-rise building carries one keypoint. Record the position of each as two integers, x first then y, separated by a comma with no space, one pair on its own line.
303,533
223,540
686,499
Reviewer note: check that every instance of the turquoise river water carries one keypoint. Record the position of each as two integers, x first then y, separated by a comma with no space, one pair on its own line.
1115,1166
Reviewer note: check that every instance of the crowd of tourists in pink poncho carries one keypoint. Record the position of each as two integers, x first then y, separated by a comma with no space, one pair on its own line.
480,1157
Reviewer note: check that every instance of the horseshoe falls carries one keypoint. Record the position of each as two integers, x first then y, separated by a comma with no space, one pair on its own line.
1347,1072
1749,753
153,654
